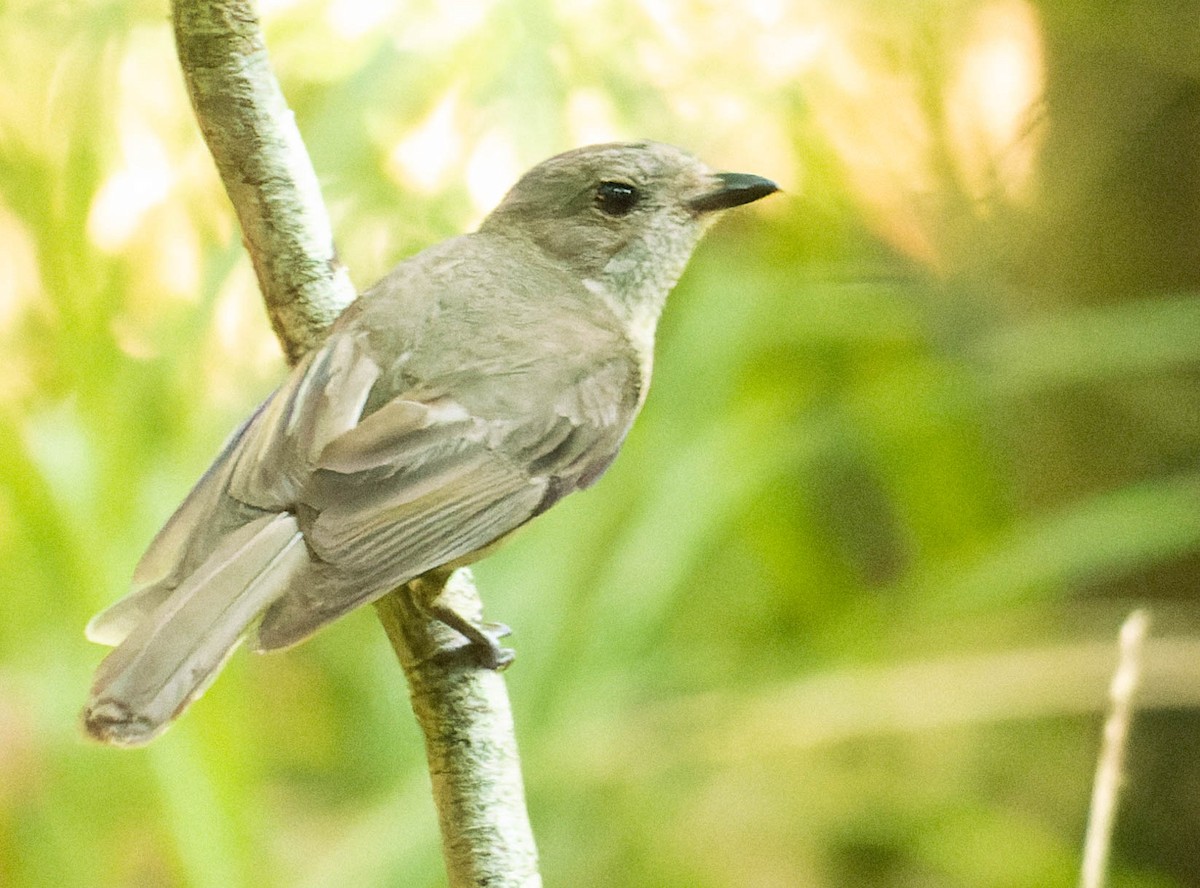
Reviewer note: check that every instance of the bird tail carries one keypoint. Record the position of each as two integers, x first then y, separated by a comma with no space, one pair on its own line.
171,656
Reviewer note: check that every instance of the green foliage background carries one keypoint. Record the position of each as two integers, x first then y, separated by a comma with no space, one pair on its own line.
923,430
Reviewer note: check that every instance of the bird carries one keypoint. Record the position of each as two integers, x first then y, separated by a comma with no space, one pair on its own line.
468,391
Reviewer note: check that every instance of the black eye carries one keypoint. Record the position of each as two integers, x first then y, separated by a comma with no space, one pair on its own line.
616,198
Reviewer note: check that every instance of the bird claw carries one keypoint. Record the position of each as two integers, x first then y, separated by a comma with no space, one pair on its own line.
497,630
492,655
483,650
483,639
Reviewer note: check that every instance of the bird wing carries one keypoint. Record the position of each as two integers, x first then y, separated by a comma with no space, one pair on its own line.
425,481
258,473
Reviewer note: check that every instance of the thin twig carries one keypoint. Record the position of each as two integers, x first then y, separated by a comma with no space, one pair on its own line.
1109,768
463,709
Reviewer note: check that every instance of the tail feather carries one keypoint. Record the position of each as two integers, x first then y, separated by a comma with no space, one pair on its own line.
113,624
184,537
196,528
169,658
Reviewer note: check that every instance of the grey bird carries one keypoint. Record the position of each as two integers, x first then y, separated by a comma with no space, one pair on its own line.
469,390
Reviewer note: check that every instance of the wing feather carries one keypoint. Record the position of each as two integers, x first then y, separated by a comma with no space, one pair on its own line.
368,554
321,402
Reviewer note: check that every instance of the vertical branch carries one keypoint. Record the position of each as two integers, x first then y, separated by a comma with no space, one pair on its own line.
266,170
463,710
473,762
1107,786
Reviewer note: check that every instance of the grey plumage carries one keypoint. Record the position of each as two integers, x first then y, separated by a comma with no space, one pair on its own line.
465,393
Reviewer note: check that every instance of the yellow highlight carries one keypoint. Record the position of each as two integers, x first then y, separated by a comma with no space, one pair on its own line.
491,170
425,158
992,102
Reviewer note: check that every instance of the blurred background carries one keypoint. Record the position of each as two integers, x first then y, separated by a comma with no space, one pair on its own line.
924,430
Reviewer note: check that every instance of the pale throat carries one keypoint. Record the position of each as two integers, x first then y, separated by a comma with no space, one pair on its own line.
636,292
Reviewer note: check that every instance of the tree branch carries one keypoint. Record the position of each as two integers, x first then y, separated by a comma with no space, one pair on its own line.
463,709
266,170
464,713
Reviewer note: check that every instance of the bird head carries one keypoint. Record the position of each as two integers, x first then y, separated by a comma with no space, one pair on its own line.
623,217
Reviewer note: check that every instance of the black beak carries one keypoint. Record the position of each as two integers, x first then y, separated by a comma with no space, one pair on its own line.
735,189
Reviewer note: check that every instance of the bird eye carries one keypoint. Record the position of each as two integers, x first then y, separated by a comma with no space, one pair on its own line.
616,198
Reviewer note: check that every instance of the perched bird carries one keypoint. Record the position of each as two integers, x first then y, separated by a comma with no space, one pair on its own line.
473,387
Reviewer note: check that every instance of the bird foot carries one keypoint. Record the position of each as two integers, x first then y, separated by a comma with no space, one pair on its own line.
452,599
484,638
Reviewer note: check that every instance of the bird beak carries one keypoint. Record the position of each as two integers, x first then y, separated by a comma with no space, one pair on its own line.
733,190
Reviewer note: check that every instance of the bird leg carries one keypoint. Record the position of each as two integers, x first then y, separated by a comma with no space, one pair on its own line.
448,596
